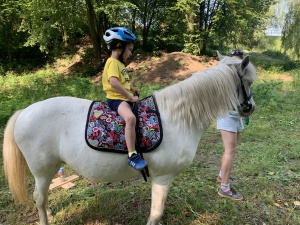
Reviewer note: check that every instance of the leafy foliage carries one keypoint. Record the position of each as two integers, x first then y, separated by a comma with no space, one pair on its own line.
10,39
290,38
267,93
52,24
275,61
39,86
174,25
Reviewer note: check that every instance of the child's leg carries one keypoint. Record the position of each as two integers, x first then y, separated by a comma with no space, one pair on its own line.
125,111
134,159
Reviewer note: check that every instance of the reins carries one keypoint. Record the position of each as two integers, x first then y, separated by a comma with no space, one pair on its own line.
145,171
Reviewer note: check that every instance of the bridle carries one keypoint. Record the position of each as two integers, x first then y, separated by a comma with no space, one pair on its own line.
246,105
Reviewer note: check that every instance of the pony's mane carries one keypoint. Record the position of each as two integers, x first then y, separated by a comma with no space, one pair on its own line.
250,70
200,99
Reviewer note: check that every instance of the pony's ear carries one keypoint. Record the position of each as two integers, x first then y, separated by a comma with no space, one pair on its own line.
245,62
219,55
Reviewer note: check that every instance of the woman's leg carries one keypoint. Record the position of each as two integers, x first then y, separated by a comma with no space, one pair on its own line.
230,140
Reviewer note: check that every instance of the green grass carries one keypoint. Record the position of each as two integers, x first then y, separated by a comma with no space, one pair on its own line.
267,164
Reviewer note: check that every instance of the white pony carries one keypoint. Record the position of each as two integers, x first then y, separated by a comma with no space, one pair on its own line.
48,133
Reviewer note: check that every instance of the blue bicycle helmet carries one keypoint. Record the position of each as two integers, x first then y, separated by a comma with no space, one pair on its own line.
116,35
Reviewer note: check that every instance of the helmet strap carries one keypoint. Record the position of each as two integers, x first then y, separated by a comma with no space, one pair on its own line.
121,57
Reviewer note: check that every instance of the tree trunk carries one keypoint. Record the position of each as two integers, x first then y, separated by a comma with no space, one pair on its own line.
145,25
93,32
190,19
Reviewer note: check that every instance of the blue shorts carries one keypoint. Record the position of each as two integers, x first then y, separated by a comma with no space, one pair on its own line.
232,124
114,104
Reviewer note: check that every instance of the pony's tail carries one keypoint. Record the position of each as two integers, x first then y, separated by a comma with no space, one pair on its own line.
15,166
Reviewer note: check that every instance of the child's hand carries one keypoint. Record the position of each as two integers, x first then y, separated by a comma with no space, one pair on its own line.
134,99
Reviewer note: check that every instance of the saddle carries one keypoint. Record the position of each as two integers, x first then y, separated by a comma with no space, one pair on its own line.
105,129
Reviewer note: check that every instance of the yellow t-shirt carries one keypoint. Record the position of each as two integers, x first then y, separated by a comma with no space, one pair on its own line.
114,68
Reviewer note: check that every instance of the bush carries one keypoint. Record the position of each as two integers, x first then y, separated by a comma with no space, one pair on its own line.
274,61
267,94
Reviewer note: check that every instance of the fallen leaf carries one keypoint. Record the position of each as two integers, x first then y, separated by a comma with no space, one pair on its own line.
286,204
296,203
276,204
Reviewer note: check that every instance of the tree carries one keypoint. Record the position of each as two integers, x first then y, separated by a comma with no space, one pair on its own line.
51,24
277,14
237,22
221,22
191,36
105,14
10,39
207,11
94,30
290,33
149,17
182,25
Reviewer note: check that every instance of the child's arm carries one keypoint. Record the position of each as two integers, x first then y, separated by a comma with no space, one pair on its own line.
121,90
134,90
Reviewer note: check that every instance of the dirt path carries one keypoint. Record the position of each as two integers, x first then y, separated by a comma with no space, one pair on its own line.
168,68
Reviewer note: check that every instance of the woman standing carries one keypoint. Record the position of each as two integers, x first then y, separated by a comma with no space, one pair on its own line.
230,128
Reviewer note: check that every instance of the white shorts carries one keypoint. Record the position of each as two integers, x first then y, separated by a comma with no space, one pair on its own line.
233,124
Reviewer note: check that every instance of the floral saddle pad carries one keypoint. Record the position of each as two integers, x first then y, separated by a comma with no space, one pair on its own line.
105,128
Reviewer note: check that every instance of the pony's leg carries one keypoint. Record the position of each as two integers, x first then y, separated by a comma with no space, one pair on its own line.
160,188
40,195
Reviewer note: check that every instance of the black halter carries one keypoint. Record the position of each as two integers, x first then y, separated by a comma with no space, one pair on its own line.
246,104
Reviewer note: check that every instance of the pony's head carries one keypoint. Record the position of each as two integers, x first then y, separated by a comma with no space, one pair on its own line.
246,73
197,101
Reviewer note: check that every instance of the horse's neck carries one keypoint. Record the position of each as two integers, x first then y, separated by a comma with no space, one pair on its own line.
200,99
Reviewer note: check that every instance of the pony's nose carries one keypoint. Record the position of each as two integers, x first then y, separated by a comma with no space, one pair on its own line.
247,106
